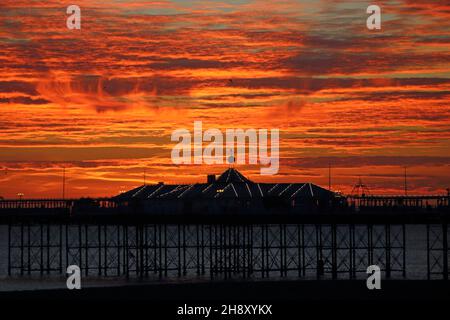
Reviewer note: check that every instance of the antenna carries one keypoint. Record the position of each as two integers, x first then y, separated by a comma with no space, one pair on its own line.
5,173
406,185
230,157
145,176
329,177
64,183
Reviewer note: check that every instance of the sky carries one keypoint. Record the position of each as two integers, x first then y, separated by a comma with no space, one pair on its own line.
103,101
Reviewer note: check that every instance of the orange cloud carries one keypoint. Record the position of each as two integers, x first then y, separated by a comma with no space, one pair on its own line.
103,101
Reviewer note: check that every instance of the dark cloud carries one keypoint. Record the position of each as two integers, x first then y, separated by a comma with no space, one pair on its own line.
24,100
359,161
174,64
18,86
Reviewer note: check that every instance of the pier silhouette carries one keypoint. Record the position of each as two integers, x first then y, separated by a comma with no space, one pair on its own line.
228,227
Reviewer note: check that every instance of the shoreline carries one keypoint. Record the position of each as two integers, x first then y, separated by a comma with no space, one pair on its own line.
221,291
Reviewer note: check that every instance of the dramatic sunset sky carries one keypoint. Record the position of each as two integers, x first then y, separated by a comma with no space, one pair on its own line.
102,101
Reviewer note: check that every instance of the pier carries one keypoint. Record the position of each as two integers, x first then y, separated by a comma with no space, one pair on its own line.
227,228
105,239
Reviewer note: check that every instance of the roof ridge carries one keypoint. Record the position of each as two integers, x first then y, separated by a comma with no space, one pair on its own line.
232,175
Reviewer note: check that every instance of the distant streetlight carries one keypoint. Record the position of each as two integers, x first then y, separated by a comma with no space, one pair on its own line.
20,195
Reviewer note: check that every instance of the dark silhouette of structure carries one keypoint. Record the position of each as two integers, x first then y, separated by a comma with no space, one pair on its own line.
227,227
229,193
360,189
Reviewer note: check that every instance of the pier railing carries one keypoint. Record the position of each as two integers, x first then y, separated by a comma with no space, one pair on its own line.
413,201
352,202
56,203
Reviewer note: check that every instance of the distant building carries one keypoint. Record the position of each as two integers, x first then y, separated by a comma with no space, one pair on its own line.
230,193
